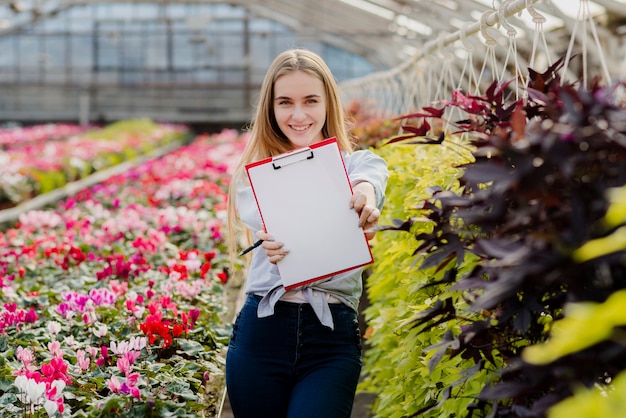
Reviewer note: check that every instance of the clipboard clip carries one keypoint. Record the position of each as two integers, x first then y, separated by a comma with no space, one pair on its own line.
292,157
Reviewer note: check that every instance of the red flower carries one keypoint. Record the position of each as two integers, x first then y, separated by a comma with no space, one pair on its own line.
184,255
182,270
223,276
177,330
205,269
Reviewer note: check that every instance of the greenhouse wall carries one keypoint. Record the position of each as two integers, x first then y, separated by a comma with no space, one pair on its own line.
189,63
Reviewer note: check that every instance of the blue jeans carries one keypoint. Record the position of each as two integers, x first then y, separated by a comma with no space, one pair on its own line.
288,365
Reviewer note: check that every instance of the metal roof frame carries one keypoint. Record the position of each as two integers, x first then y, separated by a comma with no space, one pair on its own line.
348,25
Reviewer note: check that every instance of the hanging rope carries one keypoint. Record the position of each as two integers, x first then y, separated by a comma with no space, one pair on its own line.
432,79
444,72
584,17
490,42
468,64
512,49
538,19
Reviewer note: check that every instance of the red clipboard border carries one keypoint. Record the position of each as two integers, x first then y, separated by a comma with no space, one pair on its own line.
268,160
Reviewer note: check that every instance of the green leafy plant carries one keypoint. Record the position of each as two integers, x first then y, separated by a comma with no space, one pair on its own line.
396,368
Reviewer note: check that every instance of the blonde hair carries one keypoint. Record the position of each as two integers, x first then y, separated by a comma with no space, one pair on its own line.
266,139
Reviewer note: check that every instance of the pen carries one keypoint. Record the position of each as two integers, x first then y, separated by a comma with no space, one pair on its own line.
252,247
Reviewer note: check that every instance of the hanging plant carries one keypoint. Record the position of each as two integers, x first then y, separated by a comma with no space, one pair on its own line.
502,248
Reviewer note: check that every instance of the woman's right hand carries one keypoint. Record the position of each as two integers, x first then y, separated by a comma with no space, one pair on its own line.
274,250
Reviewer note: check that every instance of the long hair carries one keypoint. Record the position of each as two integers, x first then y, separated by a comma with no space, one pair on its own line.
266,139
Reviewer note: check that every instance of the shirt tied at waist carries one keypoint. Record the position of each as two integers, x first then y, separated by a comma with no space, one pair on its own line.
315,298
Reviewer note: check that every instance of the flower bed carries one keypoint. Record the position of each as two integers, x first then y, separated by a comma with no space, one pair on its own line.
20,136
39,166
113,304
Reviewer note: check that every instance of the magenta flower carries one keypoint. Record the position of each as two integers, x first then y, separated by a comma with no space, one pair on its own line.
56,369
31,316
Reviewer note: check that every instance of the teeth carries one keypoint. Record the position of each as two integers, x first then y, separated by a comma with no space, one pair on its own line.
304,128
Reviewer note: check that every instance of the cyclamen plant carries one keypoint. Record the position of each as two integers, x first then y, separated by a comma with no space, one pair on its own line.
501,250
113,305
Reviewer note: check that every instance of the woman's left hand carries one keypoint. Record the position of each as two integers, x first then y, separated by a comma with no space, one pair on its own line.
368,213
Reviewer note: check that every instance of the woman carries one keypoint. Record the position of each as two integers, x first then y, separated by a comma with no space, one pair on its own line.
297,353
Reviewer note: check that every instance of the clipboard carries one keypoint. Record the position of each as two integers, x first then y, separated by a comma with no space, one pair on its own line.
303,197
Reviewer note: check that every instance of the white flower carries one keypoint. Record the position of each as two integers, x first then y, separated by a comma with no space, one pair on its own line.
54,327
138,343
71,341
118,348
51,407
31,392
101,331
139,310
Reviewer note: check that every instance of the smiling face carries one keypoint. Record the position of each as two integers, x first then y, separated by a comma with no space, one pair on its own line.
300,107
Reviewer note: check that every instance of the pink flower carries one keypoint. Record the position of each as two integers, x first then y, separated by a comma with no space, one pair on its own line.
194,314
10,307
131,356
123,365
92,351
54,391
56,369
114,384
130,305
55,349
133,379
25,356
81,360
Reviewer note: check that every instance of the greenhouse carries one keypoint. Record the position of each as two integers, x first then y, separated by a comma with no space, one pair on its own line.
296,209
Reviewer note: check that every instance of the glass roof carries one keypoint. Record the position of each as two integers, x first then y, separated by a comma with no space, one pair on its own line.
386,32
223,44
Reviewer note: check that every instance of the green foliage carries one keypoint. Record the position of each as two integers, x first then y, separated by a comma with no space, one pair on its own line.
603,401
584,325
120,128
47,181
402,365
614,218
